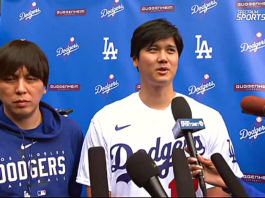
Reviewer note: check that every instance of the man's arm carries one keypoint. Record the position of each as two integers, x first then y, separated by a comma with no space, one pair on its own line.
220,142
93,138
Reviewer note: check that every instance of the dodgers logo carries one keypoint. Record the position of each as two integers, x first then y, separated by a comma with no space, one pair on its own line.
69,48
112,11
109,85
257,129
204,86
158,154
231,151
32,12
254,46
202,9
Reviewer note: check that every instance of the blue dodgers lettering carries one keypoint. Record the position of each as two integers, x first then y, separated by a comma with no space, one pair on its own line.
231,151
157,154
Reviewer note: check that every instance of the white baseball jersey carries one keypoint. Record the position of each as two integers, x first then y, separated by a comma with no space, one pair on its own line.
128,125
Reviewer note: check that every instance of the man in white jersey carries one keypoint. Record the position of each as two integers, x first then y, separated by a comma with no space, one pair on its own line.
144,121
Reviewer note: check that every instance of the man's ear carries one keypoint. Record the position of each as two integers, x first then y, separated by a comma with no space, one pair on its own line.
135,61
44,91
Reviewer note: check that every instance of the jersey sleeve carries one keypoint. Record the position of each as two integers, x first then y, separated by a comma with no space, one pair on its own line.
94,137
220,142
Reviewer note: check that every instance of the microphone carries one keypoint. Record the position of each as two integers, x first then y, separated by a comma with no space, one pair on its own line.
65,111
182,175
185,126
144,173
98,172
253,105
228,176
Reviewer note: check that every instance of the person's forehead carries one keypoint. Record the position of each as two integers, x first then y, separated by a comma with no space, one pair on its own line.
23,70
167,42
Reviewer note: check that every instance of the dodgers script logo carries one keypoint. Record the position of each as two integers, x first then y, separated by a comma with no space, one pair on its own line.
112,11
32,12
109,85
69,48
204,86
257,129
157,153
254,46
205,6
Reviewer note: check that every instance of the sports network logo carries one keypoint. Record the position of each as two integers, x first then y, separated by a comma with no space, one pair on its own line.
66,51
32,12
105,89
252,135
254,46
112,11
249,15
191,123
201,10
200,90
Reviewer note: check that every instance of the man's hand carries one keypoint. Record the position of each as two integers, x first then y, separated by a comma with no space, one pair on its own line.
211,175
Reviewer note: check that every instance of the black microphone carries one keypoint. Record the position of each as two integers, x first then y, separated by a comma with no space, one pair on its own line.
144,173
98,172
65,111
182,175
228,176
185,126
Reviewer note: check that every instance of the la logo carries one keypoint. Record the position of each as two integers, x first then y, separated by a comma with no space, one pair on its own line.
202,48
109,49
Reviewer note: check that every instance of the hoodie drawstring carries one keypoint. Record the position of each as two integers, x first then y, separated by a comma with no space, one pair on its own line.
29,169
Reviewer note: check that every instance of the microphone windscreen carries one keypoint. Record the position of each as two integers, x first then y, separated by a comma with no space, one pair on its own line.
141,168
253,105
180,108
228,176
98,172
182,175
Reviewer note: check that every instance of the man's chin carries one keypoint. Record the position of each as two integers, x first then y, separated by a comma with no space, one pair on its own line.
163,81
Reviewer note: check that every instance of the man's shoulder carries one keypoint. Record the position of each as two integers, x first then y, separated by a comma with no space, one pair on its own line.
71,125
198,108
118,107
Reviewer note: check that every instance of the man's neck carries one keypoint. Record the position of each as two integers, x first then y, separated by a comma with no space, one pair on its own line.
26,123
158,98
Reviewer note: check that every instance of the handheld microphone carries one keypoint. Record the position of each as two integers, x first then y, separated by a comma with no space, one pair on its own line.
228,176
185,126
98,172
144,173
182,175
65,111
253,105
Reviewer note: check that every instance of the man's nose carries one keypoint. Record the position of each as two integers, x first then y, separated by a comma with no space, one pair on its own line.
21,86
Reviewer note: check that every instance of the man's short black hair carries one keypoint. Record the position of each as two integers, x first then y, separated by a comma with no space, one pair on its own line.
150,32
17,54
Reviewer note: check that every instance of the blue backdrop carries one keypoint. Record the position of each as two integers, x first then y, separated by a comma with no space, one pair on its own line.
88,46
